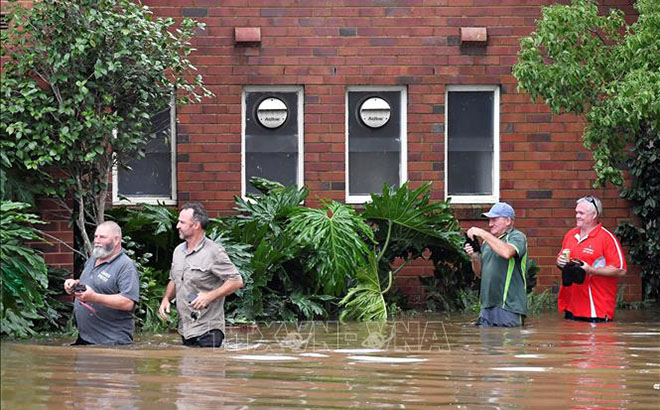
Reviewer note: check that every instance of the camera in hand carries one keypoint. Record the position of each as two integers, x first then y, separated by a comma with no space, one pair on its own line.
474,243
194,314
572,272
79,287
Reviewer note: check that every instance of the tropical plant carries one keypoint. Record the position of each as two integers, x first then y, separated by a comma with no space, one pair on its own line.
24,273
57,313
274,270
365,302
80,81
406,223
335,235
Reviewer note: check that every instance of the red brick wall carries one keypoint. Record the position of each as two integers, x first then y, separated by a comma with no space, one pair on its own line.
57,249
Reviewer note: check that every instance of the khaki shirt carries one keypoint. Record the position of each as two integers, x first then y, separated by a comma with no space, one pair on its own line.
204,269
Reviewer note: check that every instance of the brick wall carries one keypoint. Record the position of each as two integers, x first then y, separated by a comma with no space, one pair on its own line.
59,235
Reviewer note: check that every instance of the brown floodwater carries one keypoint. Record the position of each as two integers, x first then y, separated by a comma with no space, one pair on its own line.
425,361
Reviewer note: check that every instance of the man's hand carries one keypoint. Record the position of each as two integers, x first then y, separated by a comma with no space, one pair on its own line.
69,284
561,261
202,301
89,295
468,249
164,308
475,232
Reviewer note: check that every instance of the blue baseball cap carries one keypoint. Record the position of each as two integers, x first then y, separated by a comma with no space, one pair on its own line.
500,209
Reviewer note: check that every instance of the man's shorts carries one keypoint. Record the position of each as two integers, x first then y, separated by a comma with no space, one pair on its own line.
496,316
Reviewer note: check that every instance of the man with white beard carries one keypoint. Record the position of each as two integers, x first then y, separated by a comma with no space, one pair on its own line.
107,292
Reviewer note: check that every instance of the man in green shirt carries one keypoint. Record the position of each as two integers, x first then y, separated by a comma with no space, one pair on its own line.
501,265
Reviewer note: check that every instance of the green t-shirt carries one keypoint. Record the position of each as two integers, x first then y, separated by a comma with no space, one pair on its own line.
503,282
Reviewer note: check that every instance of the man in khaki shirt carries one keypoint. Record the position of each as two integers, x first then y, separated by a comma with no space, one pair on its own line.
201,276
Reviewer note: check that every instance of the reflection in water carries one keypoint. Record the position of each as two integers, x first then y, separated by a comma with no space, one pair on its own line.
430,362
105,381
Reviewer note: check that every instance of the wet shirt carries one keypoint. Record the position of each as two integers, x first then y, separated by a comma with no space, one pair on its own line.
205,269
101,324
503,282
596,297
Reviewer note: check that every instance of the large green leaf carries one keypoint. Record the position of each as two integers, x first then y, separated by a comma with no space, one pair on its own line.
365,301
336,234
409,222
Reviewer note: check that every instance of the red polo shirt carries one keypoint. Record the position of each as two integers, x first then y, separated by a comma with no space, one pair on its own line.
596,297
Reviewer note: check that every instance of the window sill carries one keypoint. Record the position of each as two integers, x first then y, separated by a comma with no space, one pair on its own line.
145,200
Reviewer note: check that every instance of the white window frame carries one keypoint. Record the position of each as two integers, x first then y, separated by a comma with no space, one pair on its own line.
301,130
151,199
476,199
403,158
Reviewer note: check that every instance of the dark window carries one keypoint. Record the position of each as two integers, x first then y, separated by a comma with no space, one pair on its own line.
470,149
151,176
374,154
271,153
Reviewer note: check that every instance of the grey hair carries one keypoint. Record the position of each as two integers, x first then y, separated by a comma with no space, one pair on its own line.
114,227
199,213
593,201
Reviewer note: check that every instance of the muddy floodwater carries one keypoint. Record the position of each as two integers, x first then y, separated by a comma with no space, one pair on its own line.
426,361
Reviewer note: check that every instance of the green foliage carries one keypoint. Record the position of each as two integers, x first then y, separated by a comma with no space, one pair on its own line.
364,302
273,271
308,306
57,312
580,62
644,192
80,81
539,302
151,226
406,223
334,235
24,274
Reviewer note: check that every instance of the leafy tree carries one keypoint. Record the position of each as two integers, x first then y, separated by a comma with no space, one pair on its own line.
80,81
578,61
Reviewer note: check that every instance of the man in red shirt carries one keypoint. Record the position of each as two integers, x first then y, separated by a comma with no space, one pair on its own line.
598,252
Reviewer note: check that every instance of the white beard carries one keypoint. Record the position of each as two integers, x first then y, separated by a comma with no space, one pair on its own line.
100,252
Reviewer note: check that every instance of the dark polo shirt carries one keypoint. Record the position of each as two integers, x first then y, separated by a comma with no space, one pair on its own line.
105,325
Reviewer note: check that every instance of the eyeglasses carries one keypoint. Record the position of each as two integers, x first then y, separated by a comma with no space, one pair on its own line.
592,201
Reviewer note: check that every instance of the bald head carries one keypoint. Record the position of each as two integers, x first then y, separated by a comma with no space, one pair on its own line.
112,227
107,240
